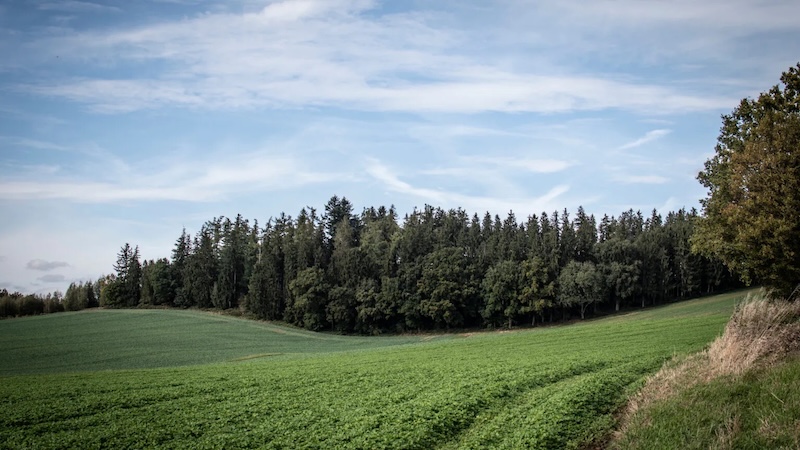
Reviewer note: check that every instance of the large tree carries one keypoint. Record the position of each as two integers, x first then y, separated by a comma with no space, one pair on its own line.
752,213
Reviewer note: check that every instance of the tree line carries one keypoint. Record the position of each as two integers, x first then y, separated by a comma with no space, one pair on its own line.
79,296
436,269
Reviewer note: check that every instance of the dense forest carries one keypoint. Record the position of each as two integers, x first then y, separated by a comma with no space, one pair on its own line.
434,269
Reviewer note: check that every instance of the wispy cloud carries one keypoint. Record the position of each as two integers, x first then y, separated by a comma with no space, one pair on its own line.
189,181
642,179
40,264
313,53
77,6
32,143
476,167
650,136
52,278
524,164
474,203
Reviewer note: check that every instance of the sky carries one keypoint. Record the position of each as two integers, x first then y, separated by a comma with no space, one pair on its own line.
126,121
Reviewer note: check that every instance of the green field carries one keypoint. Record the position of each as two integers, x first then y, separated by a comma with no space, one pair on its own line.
151,338
258,385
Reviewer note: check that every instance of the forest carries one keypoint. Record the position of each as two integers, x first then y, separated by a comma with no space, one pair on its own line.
435,269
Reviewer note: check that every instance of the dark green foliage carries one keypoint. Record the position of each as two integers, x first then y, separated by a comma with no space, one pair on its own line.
200,273
79,296
620,264
231,283
16,304
309,296
581,284
502,288
125,289
158,283
448,289
538,288
752,213
180,257
440,268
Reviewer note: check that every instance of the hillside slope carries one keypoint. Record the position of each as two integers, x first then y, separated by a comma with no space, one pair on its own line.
555,387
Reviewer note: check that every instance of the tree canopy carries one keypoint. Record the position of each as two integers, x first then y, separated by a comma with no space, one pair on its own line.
752,214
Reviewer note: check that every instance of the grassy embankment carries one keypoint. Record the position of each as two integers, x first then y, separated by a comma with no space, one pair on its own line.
185,379
742,392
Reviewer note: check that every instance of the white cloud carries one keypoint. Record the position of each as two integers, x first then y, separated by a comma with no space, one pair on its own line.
293,10
475,166
650,136
32,143
472,203
642,179
525,164
189,181
326,53
77,6
40,264
731,16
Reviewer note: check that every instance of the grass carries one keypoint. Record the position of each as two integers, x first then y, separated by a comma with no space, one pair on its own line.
554,387
95,340
756,411
742,392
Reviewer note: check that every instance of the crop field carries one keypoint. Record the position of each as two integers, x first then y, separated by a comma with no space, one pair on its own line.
255,385
151,338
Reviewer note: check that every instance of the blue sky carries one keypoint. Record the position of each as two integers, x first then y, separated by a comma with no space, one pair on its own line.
126,121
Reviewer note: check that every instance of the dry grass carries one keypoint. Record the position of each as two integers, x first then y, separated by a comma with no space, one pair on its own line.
760,333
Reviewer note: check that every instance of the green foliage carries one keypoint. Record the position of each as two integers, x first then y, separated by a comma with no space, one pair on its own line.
200,273
501,291
549,388
538,287
16,304
447,288
440,269
620,264
125,290
79,296
309,293
231,283
752,213
580,283
158,283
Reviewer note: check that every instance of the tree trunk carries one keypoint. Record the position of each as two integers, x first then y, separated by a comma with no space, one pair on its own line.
616,305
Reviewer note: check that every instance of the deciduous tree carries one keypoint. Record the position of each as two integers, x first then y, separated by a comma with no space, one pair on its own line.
752,212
